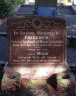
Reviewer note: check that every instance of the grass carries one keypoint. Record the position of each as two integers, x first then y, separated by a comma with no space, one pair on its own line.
31,87
61,80
34,84
64,81
33,81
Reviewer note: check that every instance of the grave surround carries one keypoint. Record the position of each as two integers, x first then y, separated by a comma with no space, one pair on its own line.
52,32
37,41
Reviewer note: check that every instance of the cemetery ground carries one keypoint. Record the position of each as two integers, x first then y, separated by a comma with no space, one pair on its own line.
49,87
39,87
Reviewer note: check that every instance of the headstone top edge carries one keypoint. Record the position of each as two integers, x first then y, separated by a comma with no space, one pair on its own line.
47,17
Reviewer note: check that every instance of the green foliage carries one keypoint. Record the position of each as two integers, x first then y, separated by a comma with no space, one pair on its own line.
61,80
42,82
65,93
1,29
33,81
16,1
64,81
5,8
60,75
31,87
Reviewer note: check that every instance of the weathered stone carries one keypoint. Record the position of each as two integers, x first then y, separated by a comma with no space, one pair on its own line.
60,84
36,72
65,84
11,84
51,91
43,42
12,76
39,43
70,88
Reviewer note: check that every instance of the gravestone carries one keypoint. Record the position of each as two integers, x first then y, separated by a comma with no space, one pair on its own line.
44,3
74,2
37,46
37,41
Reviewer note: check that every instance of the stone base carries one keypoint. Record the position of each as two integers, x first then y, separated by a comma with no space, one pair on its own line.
11,81
62,82
69,83
35,72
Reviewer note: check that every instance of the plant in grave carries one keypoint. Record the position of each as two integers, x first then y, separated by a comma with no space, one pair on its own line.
5,8
33,81
42,82
1,29
65,93
30,86
16,1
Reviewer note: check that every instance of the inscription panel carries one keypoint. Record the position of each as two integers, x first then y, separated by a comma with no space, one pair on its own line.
47,11
37,41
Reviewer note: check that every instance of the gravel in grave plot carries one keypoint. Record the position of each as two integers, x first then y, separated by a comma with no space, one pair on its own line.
70,24
71,54
26,10
3,48
3,27
65,11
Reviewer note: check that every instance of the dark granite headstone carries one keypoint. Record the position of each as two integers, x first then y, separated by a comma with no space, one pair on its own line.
37,41
44,3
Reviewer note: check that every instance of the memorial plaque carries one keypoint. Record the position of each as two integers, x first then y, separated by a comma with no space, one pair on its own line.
37,41
47,11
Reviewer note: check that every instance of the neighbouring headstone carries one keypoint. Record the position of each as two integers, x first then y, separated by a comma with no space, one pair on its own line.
74,2
47,11
44,3
37,41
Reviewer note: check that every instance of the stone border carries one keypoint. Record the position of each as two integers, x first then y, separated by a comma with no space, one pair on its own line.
3,33
72,67
23,5
63,6
73,9
17,8
2,62
68,6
